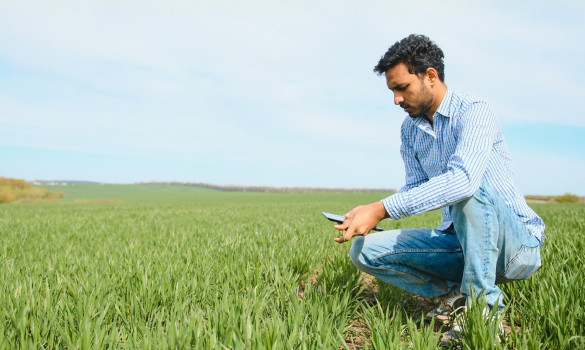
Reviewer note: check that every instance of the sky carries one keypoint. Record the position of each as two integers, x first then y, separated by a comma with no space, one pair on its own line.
275,93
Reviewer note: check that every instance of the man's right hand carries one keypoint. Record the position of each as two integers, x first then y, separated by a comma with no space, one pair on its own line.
347,217
360,221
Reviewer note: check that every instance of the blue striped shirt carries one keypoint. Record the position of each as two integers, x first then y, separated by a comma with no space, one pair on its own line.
445,163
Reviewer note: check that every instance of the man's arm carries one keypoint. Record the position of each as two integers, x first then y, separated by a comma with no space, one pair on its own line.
476,131
372,214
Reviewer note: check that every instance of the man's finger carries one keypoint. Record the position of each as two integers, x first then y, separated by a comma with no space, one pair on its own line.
349,233
343,226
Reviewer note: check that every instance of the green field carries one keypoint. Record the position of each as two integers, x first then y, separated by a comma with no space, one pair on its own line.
163,194
171,267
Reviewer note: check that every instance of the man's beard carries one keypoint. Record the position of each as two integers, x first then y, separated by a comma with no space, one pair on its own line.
424,101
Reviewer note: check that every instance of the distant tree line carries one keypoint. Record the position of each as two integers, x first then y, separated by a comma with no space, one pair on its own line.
566,198
268,189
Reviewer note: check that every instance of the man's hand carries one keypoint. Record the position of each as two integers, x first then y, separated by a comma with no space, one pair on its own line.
360,221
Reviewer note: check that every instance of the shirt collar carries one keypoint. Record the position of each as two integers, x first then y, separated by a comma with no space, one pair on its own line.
445,106
423,124
445,109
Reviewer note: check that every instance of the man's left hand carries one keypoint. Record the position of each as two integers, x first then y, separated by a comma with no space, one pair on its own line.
363,220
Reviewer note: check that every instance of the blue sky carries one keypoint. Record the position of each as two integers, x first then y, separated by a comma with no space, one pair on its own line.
274,93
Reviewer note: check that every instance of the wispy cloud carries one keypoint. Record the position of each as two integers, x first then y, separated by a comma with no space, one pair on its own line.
259,82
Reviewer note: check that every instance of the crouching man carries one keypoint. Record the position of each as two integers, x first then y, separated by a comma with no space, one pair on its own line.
456,160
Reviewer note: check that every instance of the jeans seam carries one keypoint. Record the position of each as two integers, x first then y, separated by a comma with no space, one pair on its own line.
522,248
460,257
486,242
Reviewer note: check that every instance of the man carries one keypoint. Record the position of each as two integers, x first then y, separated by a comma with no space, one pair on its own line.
456,160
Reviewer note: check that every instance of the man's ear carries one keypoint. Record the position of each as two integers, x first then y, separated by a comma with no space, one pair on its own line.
432,75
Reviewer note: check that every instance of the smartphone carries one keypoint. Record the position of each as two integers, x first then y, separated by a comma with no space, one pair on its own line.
339,219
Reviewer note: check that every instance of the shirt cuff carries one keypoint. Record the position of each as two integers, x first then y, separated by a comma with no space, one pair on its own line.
395,206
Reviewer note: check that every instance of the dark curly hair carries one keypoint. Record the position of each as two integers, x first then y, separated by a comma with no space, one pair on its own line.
417,52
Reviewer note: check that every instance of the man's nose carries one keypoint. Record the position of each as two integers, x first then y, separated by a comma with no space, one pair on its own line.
398,99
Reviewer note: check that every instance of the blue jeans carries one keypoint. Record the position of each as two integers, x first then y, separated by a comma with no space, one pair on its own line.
486,245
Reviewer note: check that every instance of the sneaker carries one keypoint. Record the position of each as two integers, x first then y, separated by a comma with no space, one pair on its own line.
451,336
455,333
448,304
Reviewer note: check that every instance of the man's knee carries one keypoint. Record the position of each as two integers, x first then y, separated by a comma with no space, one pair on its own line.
355,253
470,205
458,209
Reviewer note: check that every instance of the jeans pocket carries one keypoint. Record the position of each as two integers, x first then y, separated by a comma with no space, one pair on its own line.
522,266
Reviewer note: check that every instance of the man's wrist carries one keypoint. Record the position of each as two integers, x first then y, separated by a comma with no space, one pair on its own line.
395,206
380,211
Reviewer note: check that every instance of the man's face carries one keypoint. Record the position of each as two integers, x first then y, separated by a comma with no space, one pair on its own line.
410,91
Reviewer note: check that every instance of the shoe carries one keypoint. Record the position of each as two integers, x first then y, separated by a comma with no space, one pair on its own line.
448,304
451,336
455,333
